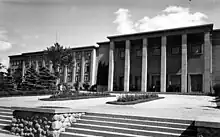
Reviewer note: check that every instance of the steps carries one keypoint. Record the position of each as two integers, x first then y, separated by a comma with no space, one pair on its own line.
108,125
5,119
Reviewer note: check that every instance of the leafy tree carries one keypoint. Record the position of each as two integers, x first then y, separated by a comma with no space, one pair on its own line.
47,79
59,56
8,82
31,80
17,75
2,66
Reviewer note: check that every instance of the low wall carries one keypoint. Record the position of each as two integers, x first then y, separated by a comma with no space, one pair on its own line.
208,128
42,122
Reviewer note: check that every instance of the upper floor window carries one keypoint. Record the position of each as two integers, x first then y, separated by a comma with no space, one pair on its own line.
78,55
87,68
156,51
87,55
86,78
122,53
196,49
78,66
175,50
138,53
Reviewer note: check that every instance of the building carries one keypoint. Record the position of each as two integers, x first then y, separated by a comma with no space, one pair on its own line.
187,58
83,69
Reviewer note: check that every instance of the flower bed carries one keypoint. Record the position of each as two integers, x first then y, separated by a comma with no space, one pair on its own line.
75,96
130,99
25,93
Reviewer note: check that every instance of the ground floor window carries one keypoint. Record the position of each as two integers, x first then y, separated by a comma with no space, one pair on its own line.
196,83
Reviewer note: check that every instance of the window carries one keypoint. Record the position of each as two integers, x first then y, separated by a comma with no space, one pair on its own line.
78,55
78,66
69,75
196,49
156,51
87,67
138,53
86,78
175,50
122,53
87,55
77,78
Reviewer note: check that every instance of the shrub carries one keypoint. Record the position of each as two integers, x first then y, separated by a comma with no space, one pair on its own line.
134,97
216,88
86,86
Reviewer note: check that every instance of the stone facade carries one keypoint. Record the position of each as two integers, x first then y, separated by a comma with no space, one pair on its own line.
83,69
182,58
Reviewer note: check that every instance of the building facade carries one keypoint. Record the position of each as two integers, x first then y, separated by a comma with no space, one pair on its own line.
186,58
83,70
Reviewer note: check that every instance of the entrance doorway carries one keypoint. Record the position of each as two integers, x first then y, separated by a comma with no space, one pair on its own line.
121,83
196,83
138,82
156,83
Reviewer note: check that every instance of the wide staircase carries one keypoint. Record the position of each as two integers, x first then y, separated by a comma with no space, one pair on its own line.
5,119
109,125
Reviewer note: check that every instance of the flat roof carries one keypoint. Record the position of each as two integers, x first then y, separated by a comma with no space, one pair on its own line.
104,42
210,26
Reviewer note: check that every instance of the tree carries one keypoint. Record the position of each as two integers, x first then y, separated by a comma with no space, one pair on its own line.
8,82
31,80
17,75
59,56
47,79
2,66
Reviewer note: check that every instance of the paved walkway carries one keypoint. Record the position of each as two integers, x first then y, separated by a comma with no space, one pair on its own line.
172,106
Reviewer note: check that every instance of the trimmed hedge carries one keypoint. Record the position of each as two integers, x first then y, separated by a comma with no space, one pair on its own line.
134,97
24,93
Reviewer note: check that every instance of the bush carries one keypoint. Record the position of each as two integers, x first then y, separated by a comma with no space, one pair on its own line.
86,86
134,97
216,88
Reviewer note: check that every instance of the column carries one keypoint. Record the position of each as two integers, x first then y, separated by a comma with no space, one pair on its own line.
58,71
50,66
36,66
111,66
207,63
127,66
163,65
65,74
82,67
29,63
144,66
93,67
23,70
43,63
74,68
184,64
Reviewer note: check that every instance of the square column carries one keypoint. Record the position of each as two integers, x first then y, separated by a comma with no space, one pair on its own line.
111,66
36,66
65,74
144,66
207,63
74,68
82,67
127,66
184,64
50,66
23,70
93,67
163,64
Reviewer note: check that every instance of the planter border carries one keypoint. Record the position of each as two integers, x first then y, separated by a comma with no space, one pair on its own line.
74,98
133,102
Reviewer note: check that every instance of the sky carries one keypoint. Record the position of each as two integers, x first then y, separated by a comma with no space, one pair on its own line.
33,25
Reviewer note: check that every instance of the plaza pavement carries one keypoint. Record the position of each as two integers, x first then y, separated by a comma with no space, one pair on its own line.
172,106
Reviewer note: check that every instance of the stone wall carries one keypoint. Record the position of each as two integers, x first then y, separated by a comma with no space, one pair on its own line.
40,124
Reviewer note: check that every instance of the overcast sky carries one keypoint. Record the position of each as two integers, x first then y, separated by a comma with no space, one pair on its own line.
31,25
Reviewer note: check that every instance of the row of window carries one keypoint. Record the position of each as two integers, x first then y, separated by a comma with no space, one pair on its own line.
87,55
78,78
16,63
195,50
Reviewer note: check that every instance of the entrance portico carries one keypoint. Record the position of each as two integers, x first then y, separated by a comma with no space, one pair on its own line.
185,47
